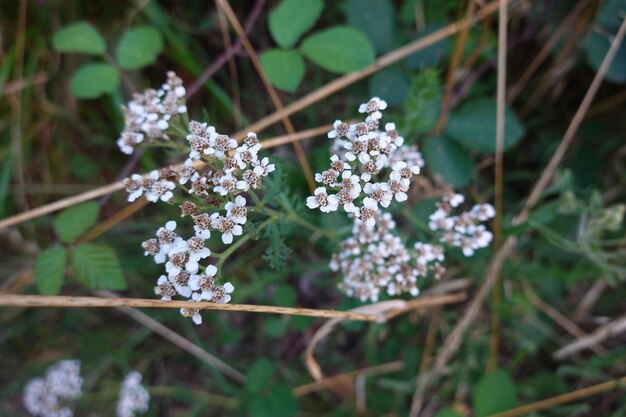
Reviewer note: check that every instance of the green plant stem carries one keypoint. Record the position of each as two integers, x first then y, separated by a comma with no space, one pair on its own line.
232,248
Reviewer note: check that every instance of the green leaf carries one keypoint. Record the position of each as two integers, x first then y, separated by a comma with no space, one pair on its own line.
339,49
139,47
292,18
431,55
284,69
282,401
80,37
97,267
375,18
446,158
611,14
390,84
494,393
50,270
596,46
259,375
448,412
94,80
276,326
473,125
74,221
285,296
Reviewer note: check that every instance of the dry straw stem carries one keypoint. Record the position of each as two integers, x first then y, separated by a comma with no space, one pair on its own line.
14,300
563,399
302,158
347,377
494,342
613,328
453,341
319,94
560,319
178,340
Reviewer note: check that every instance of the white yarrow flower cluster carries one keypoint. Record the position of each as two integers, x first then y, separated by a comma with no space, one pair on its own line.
236,169
62,382
149,113
462,231
133,397
373,259
369,174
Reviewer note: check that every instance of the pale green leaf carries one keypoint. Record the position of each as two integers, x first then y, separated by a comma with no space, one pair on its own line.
375,18
446,158
473,125
97,267
390,84
494,393
94,80
139,47
50,270
284,69
339,49
259,375
291,19
74,221
80,37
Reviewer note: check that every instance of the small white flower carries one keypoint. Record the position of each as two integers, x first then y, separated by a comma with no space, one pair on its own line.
321,199
237,211
379,193
133,398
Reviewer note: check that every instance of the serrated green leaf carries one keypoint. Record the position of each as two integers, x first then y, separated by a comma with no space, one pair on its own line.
50,270
446,158
596,46
339,49
259,375
375,18
284,69
80,37
94,80
292,18
139,47
390,84
423,102
473,125
97,267
494,393
74,221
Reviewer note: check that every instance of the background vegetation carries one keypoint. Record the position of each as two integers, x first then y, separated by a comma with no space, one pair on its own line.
60,118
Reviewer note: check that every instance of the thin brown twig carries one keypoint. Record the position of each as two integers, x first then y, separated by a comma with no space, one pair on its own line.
232,18
613,328
559,318
232,67
177,339
494,342
453,341
348,376
563,399
60,301
455,61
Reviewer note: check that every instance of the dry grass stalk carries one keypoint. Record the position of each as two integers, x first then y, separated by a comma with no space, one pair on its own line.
347,377
494,341
297,146
563,399
613,328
